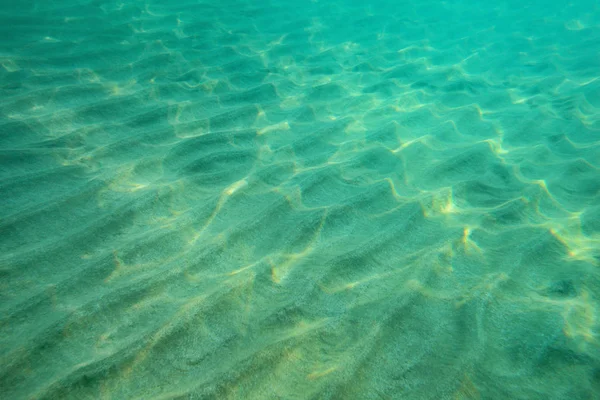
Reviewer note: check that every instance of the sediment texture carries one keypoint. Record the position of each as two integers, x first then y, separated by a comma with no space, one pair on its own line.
299,200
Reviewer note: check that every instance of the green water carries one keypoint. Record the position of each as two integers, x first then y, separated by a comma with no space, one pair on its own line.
299,200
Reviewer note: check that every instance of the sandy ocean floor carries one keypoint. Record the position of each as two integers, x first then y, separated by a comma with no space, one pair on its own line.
299,200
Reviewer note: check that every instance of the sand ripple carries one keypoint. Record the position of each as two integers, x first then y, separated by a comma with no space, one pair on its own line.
327,200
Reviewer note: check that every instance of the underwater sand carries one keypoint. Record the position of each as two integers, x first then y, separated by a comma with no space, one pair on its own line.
299,200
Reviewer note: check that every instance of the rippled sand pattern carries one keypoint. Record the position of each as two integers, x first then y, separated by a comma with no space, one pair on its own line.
306,200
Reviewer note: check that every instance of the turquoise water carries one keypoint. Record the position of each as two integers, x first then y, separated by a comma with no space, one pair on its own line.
299,200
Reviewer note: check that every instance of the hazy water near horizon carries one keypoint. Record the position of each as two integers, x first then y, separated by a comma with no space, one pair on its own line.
299,200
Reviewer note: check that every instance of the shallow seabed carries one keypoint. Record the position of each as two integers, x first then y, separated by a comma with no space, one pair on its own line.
299,200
